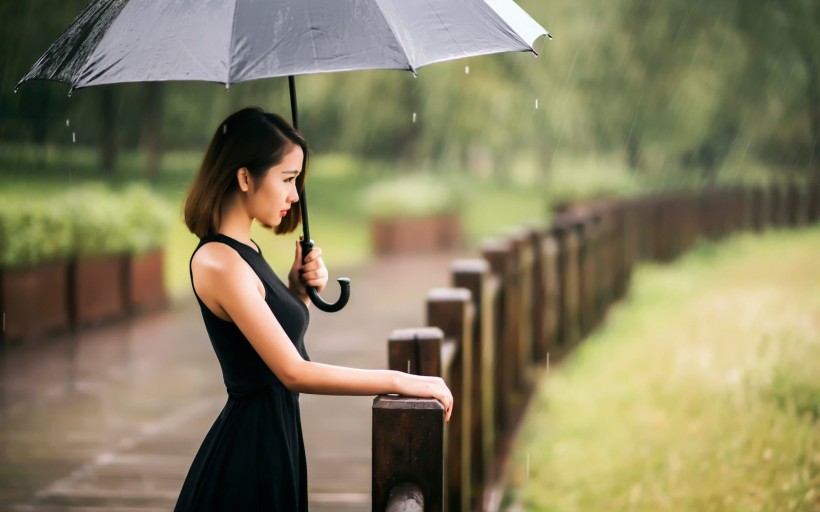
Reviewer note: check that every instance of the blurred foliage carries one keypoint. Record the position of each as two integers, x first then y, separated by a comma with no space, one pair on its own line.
709,86
81,220
33,231
419,195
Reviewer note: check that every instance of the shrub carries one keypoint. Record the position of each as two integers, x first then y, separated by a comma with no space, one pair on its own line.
417,195
147,219
33,231
90,219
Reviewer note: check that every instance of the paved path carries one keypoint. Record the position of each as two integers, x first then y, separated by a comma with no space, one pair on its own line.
110,419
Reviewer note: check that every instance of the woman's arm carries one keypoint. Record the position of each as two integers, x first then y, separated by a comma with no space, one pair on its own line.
226,280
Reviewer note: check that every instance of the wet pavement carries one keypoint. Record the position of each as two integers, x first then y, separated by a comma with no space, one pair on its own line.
111,417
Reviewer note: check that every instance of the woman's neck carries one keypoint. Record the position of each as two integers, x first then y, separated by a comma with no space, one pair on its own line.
236,223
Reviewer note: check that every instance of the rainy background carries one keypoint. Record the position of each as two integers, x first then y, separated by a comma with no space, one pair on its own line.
631,97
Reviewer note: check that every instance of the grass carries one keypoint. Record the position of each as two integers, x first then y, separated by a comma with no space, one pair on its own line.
702,391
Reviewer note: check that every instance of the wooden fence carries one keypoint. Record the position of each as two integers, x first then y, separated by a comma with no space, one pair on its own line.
534,294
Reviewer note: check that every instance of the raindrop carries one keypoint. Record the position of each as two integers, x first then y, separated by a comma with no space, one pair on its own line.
414,117
227,86
466,70
528,466
73,137
15,90
536,103
224,129
66,123
70,91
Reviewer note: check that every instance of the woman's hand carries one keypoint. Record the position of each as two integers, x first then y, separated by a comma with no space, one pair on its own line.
427,387
311,272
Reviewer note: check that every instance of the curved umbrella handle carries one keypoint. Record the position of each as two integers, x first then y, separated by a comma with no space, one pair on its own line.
327,307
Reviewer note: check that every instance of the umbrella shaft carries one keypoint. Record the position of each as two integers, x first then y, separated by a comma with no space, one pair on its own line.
294,115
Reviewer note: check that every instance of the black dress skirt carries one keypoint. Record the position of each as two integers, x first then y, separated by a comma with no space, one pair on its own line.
253,457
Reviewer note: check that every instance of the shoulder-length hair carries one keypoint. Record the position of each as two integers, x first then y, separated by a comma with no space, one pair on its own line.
250,138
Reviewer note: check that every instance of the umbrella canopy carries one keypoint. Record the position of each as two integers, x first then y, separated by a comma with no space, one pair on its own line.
231,41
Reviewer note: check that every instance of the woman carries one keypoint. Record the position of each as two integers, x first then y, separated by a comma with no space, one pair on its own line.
253,457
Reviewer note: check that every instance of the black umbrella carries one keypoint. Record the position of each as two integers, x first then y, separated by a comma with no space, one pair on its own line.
231,41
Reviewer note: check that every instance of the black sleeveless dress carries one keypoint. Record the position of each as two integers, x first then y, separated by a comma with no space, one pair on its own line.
253,458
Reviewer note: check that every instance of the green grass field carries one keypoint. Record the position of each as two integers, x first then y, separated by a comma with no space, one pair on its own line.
701,392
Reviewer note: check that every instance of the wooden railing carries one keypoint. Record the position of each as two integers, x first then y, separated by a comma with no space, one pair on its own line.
531,297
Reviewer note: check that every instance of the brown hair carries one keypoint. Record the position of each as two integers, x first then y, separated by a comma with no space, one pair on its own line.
250,138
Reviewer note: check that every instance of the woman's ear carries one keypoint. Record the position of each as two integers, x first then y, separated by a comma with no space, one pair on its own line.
243,179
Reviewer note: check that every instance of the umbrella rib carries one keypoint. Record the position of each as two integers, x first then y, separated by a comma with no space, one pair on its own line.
230,47
410,65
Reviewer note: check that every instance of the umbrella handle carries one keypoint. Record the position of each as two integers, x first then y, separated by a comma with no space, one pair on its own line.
327,307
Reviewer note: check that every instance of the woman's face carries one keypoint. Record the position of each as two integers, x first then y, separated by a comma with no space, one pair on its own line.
273,196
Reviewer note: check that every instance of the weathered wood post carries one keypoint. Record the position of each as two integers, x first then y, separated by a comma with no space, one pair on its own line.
606,249
632,250
565,236
618,286
551,298
587,255
522,315
475,275
535,239
452,311
498,254
408,449
422,351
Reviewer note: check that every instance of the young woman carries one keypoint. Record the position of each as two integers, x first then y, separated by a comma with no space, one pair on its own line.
253,457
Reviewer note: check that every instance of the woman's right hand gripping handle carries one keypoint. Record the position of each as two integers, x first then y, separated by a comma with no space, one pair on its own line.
427,387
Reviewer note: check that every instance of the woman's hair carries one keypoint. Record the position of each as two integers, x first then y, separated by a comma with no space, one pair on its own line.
250,138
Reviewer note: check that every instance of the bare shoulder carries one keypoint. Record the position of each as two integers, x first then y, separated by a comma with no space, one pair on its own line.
215,260
220,272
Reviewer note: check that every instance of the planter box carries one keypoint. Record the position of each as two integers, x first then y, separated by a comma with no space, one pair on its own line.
144,283
34,301
97,290
422,234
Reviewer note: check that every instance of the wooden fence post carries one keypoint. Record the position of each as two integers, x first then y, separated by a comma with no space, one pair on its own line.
416,351
497,254
567,240
452,311
408,449
475,276
522,314
550,311
587,238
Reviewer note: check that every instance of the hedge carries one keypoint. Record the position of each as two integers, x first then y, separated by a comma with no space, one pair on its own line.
84,220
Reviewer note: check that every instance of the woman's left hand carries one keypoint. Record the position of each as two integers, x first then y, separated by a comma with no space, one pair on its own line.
311,272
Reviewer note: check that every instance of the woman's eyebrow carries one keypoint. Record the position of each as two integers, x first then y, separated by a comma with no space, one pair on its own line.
294,172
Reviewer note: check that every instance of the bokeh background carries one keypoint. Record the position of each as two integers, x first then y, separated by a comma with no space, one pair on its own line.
631,95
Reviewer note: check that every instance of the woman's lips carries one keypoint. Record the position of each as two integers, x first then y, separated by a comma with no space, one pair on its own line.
283,213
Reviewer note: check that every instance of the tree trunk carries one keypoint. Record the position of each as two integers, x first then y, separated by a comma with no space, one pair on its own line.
151,137
108,125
